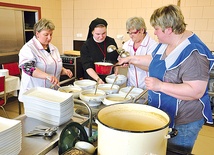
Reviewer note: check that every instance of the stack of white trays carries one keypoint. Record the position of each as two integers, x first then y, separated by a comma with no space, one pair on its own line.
48,105
11,136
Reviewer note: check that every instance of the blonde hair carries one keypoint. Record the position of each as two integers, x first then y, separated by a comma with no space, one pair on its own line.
169,17
43,24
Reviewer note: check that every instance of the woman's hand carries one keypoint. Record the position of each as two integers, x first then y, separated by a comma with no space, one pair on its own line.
66,72
153,83
116,70
188,90
69,73
100,81
123,61
53,80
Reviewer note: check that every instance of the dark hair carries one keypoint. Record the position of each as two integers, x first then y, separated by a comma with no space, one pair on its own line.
98,22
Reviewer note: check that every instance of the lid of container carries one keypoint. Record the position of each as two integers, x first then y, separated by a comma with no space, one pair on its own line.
72,133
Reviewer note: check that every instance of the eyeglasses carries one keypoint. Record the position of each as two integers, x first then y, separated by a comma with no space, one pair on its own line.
131,33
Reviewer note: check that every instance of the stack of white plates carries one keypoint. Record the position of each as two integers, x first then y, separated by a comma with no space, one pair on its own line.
48,105
11,136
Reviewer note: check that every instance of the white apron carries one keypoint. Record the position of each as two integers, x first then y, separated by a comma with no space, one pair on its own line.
51,63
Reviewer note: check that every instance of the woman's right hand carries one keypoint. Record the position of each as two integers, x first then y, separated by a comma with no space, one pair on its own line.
53,80
100,81
123,61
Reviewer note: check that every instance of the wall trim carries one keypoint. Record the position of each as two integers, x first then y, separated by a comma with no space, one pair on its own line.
22,7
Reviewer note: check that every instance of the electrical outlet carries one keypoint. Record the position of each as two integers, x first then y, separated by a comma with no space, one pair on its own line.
79,35
120,36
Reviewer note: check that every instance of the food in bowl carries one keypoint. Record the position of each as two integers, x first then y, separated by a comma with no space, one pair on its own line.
93,95
107,88
75,90
91,98
121,79
116,98
134,93
85,84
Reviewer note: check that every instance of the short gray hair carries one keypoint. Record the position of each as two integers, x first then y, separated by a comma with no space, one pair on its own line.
43,24
135,23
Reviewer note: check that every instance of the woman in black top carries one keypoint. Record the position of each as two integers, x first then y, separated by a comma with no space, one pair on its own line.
95,50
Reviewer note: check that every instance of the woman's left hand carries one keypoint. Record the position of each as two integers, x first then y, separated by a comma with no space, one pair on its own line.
67,72
153,83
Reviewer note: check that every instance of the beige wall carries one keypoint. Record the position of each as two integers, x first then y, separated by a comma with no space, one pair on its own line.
51,9
199,15
72,17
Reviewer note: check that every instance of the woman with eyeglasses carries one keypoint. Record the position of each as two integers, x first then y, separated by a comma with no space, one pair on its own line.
140,43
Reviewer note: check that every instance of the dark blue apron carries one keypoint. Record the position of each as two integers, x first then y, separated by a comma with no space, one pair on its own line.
158,69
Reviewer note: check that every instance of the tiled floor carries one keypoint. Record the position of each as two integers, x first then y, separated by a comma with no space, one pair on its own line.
204,144
11,108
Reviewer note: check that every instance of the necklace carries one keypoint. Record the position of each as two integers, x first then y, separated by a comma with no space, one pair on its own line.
103,51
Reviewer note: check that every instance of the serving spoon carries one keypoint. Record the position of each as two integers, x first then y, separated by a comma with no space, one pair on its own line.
114,81
96,87
70,91
129,91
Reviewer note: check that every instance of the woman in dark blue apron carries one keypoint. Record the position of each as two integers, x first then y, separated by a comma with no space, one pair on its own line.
178,76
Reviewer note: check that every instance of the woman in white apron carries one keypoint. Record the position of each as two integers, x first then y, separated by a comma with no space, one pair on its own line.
178,77
40,60
140,43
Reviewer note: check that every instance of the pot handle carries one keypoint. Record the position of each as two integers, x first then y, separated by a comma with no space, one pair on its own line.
172,133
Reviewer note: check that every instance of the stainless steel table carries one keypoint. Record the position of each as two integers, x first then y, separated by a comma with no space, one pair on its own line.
39,145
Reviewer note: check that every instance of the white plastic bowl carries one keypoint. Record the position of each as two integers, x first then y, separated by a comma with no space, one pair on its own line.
85,84
116,98
89,97
121,79
134,93
107,88
75,90
85,146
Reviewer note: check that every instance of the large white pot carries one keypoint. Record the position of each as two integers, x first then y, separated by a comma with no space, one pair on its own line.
132,129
